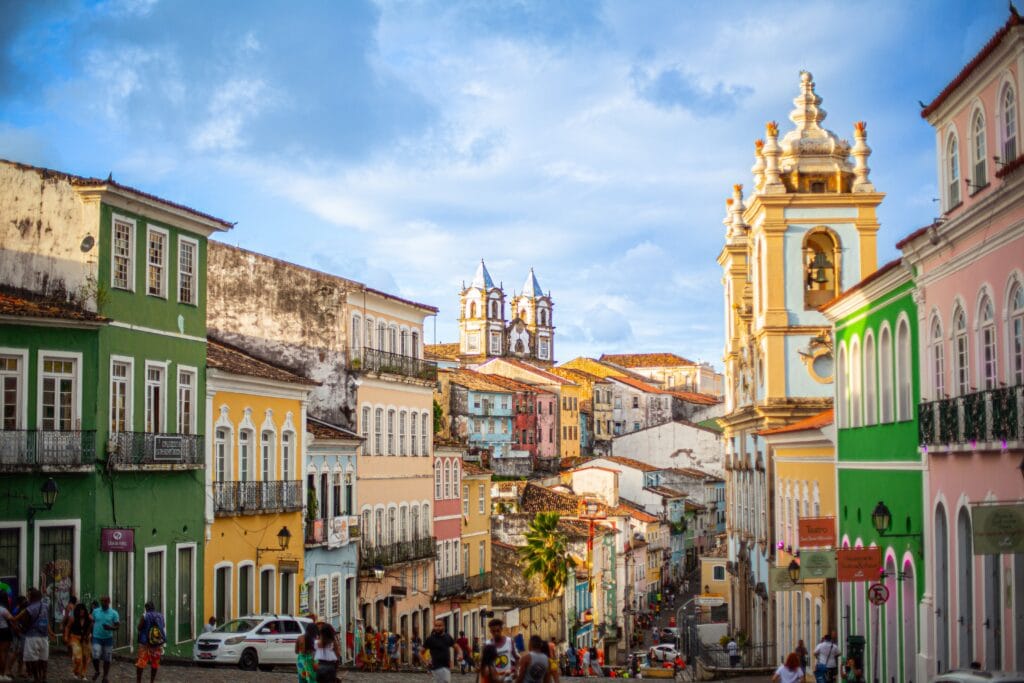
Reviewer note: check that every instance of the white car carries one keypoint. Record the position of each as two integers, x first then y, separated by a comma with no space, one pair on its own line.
975,676
251,642
663,653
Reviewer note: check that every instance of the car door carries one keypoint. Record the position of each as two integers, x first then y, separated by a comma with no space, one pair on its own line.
270,650
290,632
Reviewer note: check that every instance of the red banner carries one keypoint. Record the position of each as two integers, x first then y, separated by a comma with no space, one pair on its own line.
858,564
817,532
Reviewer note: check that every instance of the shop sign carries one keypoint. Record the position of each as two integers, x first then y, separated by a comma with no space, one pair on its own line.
817,564
117,540
858,564
998,529
779,581
817,532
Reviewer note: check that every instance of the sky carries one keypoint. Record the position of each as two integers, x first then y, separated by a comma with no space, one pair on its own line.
398,143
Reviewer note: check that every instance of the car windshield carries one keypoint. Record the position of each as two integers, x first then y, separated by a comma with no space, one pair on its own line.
238,626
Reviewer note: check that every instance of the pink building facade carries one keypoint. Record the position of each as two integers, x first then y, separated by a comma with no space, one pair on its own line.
451,579
969,277
547,424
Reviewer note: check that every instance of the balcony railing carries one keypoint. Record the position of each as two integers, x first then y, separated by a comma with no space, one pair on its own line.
316,531
992,416
146,448
256,497
371,556
447,586
382,362
38,448
478,583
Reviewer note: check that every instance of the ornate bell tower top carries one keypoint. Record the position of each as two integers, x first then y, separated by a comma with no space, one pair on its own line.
481,316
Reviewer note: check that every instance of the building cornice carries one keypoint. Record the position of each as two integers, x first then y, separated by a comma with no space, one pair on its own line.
220,380
869,294
160,212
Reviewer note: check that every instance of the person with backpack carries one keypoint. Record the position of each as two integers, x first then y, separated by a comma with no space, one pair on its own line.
152,636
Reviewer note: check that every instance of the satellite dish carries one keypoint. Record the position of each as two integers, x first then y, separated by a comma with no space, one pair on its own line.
88,242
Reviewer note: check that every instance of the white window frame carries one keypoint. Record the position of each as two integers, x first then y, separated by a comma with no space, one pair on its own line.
192,372
951,170
268,460
979,149
904,372
163,366
425,435
76,552
870,380
481,499
287,451
937,358
194,244
961,357
988,363
151,229
252,584
152,550
403,418
856,384
129,391
21,375
1005,122
132,225
378,431
42,356
886,375
177,588
247,457
1015,341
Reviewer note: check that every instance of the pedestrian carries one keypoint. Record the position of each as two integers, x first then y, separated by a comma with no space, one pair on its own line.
65,618
801,652
327,655
211,625
507,657
586,662
77,634
152,636
6,632
417,647
105,620
790,671
439,644
734,652
393,651
570,655
34,622
826,660
463,642
553,659
534,665
488,673
305,649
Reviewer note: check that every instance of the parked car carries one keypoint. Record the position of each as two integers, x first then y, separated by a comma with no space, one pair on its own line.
976,676
251,642
663,653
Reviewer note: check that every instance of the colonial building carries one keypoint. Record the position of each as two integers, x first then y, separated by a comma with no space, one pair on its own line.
669,371
477,598
812,204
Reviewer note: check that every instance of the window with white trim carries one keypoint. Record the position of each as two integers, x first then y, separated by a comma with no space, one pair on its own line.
543,348
855,384
961,370
495,344
221,454
437,480
60,377
413,443
391,432
245,455
356,333
402,419
427,519
425,435
1017,335
10,392
267,455
465,500
378,432
286,456
952,172
936,346
123,254
987,341
842,397
870,382
1009,125
120,396
904,404
885,379
978,139
481,499
188,252
364,430
447,479
186,401
156,262
155,408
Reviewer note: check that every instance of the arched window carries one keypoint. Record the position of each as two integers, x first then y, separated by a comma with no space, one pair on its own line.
904,406
366,524
978,148
821,274
286,455
403,523
1009,125
267,456
378,432
369,333
494,308
938,359
403,342
391,431
426,521
870,381
356,333
415,447
222,454
392,525
952,172
987,341
448,479
425,435
401,432
856,382
842,399
382,336
472,309
1017,335
414,521
415,351
543,315
885,380
961,369
245,472
393,339
438,478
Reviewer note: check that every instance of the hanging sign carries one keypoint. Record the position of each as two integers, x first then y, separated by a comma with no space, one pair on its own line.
779,581
858,564
998,529
817,564
117,540
817,532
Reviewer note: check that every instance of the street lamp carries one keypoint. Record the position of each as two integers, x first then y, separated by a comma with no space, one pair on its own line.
49,489
794,571
881,519
284,537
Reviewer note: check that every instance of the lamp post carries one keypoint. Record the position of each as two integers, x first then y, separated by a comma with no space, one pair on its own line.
49,489
284,537
881,519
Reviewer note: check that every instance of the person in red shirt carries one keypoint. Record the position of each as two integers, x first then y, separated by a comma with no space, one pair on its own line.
465,663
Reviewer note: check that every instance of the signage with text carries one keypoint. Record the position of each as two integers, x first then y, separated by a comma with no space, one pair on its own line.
168,448
117,540
817,564
779,581
817,532
998,529
858,564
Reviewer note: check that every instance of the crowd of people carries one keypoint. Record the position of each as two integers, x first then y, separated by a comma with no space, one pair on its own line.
826,664
26,631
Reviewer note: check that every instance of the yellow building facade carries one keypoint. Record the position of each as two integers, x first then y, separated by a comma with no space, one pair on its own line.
256,416
476,548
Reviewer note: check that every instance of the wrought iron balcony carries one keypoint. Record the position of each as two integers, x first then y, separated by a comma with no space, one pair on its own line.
988,418
448,586
316,532
256,497
27,448
478,583
371,556
147,448
382,362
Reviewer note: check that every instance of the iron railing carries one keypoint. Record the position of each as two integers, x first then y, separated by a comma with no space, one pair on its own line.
39,447
316,534
256,497
991,416
383,362
371,556
447,586
147,448
478,583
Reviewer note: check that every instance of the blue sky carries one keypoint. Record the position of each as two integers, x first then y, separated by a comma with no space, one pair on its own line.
400,142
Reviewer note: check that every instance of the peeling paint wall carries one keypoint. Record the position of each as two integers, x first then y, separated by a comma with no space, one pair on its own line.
43,223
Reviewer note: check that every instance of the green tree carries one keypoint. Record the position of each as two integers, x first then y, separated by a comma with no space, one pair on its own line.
545,553
438,418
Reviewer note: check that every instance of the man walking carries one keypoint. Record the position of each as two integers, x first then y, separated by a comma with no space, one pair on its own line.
464,661
34,622
439,644
826,656
152,636
734,652
105,620
507,658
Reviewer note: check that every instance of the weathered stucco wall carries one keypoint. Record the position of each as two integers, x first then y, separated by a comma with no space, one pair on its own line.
42,224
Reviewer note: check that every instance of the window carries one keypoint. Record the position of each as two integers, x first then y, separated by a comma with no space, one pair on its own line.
369,332
403,339
154,398
122,270
543,348
455,478
364,526
978,138
415,351
842,397
636,401
855,384
392,525
335,605
10,392
494,308
425,436
286,456
1017,334
426,521
186,401
364,430
938,363
356,333
448,479
870,381
267,591
59,412
987,334
221,455
480,499
155,579
1009,125
267,455
465,500
952,172
393,339
960,370
245,455
391,432
349,484
437,480
187,252
885,382
378,526
415,447
120,395
414,521
378,434
402,418
382,336
904,407
156,255
495,342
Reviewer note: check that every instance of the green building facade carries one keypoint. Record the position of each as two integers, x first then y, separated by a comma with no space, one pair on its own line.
105,385
879,467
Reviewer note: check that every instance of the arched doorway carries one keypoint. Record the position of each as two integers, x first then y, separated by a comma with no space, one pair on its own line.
941,590
993,613
892,635
909,594
964,590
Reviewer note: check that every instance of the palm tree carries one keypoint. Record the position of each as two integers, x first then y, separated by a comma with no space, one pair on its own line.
545,553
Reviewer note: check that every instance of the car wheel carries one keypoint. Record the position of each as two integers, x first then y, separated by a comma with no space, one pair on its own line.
249,660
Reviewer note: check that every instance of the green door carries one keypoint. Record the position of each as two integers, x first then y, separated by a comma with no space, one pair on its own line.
186,619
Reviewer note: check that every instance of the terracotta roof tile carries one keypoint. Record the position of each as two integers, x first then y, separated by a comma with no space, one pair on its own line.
514,385
822,419
541,373
539,499
642,385
471,469
694,397
647,360
222,356
325,430
576,375
441,351
695,473
475,381
665,491
23,304
630,462
891,265
636,511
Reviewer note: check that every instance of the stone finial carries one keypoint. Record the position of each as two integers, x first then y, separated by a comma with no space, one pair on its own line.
771,152
860,153
807,113
758,168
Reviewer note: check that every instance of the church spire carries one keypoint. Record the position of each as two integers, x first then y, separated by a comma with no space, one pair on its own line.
482,279
531,288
